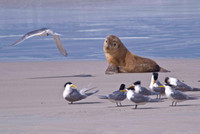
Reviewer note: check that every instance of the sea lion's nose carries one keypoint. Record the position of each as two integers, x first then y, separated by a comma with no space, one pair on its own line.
106,45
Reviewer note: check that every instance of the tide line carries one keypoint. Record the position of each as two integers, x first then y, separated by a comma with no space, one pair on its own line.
101,38
8,36
92,38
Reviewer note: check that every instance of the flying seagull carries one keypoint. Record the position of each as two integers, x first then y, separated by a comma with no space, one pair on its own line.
43,32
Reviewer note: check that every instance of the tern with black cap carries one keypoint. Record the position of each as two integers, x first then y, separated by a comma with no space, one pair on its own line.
142,90
178,85
71,94
138,99
175,95
117,96
156,86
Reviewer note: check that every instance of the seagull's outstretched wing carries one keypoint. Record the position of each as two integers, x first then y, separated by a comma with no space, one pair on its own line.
43,32
59,45
29,35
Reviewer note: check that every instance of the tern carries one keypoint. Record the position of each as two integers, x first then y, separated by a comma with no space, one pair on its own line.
71,94
139,99
142,90
156,86
43,32
117,96
178,85
176,95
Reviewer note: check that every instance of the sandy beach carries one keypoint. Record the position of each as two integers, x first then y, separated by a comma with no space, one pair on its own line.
31,100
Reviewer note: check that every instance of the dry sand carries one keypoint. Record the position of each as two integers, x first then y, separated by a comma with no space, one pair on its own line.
31,100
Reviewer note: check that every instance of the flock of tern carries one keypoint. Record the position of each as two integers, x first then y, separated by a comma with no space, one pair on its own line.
173,89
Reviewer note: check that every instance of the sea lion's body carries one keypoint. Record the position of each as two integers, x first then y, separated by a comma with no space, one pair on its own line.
121,60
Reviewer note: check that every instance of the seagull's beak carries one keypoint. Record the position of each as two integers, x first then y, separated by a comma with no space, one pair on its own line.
131,86
74,86
123,90
161,86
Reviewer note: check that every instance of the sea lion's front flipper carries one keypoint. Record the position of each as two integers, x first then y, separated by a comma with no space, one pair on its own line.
112,69
121,70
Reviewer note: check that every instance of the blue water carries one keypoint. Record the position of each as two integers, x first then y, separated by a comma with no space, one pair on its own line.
154,29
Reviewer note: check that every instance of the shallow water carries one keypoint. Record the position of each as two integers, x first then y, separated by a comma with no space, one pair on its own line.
155,29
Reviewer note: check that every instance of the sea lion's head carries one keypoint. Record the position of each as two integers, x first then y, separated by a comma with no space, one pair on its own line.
112,44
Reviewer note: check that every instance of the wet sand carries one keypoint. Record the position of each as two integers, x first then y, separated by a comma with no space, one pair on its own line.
31,100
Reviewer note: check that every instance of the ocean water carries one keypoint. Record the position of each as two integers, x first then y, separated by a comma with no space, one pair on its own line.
154,29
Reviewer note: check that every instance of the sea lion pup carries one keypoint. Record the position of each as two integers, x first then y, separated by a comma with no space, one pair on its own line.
121,60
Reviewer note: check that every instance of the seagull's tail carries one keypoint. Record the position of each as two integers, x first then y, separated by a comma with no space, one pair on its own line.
102,97
192,98
94,92
155,100
196,89
86,89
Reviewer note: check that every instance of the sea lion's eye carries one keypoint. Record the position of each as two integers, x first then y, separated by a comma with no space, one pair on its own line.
106,41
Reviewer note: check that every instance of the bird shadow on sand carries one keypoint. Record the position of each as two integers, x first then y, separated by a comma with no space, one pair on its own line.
133,107
83,103
115,106
56,77
185,105
141,108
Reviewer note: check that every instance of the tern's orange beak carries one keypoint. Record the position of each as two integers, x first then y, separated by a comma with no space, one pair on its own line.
131,86
74,86
123,90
